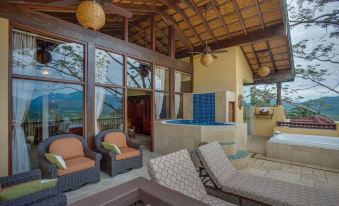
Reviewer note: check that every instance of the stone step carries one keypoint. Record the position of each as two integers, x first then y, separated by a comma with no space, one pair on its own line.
239,159
229,147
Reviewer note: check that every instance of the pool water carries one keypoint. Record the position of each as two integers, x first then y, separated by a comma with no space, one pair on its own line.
198,123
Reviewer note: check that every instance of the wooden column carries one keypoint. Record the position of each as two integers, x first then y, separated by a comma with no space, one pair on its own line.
171,42
125,29
153,33
89,122
279,102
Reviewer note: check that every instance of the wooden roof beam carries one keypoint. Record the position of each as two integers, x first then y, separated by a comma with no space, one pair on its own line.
184,16
171,21
236,8
259,14
256,56
271,56
194,7
214,5
270,32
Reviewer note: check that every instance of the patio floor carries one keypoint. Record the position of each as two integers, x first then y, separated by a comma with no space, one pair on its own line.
311,176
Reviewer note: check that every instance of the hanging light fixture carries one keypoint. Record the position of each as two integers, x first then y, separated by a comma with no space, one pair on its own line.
263,71
90,15
206,59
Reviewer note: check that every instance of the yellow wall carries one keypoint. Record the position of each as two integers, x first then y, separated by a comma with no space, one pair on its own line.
261,127
4,97
228,72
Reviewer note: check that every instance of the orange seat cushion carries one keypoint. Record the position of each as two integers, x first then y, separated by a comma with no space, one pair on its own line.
67,148
117,138
76,165
127,152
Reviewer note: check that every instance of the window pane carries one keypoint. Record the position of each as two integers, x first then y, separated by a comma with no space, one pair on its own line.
42,58
183,82
178,106
138,74
41,110
108,67
162,107
108,108
161,79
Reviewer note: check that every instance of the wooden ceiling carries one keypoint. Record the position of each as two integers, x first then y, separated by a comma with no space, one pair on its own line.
257,26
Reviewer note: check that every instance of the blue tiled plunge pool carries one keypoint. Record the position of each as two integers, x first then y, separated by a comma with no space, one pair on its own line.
196,122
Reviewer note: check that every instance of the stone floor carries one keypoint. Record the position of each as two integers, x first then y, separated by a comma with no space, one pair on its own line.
311,176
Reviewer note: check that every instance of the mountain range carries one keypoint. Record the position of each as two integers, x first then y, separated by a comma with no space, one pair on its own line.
328,106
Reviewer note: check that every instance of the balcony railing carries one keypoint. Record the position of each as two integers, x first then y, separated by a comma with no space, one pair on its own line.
139,191
33,128
306,125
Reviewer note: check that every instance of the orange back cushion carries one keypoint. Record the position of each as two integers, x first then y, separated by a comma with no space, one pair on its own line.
117,138
67,148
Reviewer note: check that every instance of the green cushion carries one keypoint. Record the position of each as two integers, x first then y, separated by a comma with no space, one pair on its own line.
111,147
57,160
27,188
227,143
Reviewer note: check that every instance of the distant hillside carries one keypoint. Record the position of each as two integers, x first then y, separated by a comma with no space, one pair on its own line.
325,105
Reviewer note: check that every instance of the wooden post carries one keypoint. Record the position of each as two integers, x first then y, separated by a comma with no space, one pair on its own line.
279,102
153,33
89,123
171,42
125,29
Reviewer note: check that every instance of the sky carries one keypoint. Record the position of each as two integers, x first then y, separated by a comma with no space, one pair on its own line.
314,34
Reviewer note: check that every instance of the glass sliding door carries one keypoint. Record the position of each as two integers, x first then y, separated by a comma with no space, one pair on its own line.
162,97
183,84
47,94
109,94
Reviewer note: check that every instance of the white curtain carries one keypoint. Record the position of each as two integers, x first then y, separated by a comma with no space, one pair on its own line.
24,47
160,85
177,89
100,91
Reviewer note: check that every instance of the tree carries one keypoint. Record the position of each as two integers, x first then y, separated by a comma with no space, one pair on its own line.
323,14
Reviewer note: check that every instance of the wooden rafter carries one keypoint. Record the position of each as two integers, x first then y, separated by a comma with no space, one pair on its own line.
222,20
271,55
255,56
271,32
248,62
194,7
237,11
171,21
184,16
259,14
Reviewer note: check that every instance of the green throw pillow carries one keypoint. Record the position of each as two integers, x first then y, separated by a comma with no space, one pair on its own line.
57,160
111,147
27,188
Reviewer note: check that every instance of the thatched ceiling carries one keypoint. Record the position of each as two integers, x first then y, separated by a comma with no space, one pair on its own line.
257,26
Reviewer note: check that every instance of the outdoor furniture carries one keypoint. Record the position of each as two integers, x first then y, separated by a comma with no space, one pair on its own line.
177,172
83,165
112,163
49,197
255,190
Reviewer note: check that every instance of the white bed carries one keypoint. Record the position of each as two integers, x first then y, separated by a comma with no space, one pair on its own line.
307,149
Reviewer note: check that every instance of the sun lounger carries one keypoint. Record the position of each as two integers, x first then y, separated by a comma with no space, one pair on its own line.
177,172
257,190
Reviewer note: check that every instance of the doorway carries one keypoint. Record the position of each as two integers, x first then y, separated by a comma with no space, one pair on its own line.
139,117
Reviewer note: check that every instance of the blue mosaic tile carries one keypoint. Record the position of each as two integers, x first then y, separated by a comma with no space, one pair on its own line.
204,107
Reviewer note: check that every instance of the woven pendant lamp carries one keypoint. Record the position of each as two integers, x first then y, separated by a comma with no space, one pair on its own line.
263,71
206,59
90,15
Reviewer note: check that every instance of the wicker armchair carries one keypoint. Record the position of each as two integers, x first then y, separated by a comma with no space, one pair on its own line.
49,197
109,163
73,180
